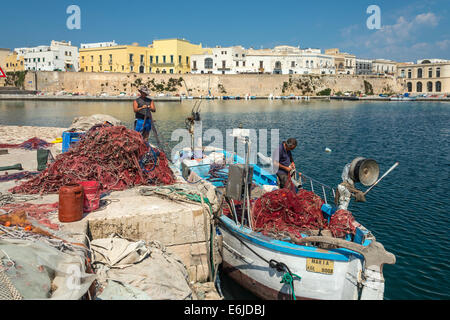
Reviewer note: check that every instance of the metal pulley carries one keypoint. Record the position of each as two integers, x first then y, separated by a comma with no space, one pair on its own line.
365,171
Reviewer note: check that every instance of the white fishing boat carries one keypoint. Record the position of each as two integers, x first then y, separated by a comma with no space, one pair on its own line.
315,265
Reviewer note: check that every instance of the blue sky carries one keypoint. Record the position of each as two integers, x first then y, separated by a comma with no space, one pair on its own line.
410,29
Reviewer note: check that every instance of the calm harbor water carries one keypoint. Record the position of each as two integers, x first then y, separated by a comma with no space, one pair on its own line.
408,212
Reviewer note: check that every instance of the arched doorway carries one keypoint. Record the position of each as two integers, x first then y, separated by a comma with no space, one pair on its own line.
277,69
419,87
409,86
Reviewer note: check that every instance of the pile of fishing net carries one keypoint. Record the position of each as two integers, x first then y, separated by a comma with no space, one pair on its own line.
116,157
30,144
284,211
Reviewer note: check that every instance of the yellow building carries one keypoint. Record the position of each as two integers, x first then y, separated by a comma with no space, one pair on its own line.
162,56
13,62
127,58
173,55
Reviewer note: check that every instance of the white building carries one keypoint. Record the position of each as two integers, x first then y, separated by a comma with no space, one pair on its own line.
230,60
279,60
98,45
364,66
59,56
382,66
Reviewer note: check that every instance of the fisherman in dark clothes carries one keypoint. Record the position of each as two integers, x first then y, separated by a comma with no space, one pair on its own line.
285,162
142,107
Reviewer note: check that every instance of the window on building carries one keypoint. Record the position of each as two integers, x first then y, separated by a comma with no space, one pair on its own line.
157,59
237,63
208,63
92,58
261,64
419,73
419,86
92,69
429,86
171,70
438,72
224,63
402,73
438,86
82,59
131,58
164,59
409,74
123,68
101,58
151,59
187,60
243,63
194,65
142,58
179,59
293,64
430,73
171,59
131,69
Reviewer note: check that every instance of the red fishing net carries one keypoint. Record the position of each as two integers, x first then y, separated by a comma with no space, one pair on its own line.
38,212
287,212
116,157
30,144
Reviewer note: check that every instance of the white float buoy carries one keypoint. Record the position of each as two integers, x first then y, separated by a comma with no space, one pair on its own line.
327,150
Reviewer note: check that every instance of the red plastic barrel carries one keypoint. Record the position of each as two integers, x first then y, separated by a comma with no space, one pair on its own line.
70,207
91,195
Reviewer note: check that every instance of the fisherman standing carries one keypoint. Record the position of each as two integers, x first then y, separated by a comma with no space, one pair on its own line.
142,107
285,163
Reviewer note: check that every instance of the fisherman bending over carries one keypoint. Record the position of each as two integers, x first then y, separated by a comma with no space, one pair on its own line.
285,163
142,107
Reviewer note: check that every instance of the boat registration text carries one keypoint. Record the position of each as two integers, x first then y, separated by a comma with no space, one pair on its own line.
319,266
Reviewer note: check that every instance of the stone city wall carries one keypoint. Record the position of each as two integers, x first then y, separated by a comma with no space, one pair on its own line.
202,84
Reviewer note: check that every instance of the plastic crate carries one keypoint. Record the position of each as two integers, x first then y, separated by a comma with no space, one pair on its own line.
69,138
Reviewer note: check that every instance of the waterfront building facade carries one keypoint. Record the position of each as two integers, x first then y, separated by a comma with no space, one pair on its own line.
383,67
173,55
345,63
279,60
13,62
363,66
162,56
425,77
118,58
3,54
58,56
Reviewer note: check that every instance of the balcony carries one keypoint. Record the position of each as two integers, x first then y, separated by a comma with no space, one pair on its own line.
162,65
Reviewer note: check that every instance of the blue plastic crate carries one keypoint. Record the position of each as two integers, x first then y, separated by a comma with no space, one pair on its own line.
69,138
